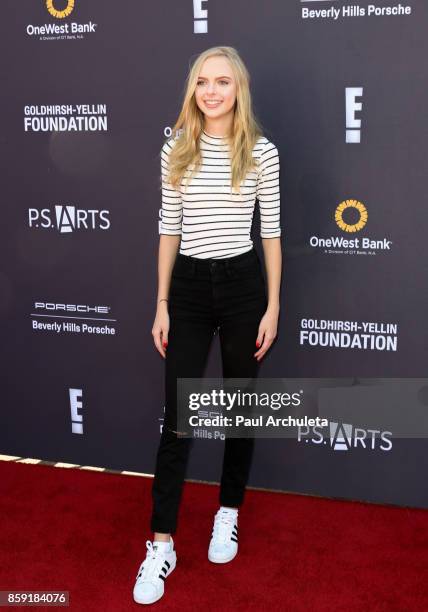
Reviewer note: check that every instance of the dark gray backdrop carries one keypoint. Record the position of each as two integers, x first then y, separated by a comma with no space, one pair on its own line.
134,61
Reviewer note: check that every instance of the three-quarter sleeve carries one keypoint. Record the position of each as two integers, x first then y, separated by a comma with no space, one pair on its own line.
268,192
172,205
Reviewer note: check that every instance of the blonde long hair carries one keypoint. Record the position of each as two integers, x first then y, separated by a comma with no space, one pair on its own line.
246,130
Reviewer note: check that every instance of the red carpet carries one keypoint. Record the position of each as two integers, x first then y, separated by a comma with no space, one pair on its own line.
85,532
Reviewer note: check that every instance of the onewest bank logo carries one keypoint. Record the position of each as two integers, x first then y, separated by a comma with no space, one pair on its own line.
60,14
60,10
350,216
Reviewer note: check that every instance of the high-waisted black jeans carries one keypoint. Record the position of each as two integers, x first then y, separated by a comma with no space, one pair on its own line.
207,295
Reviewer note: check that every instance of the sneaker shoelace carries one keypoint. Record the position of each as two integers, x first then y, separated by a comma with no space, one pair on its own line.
153,562
223,526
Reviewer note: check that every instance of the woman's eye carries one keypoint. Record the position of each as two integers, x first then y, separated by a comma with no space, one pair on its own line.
221,81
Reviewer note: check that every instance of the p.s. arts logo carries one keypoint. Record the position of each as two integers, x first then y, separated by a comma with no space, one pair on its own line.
67,219
60,14
340,436
355,226
350,216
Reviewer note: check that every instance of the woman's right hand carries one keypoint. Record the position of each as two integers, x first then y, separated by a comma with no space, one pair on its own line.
161,328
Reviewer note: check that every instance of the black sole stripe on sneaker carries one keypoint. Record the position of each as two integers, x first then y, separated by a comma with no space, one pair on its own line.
167,564
234,539
161,576
164,570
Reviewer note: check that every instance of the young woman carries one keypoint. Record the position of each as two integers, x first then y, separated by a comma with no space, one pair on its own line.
210,279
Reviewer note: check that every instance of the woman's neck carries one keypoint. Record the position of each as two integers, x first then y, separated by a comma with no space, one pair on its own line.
212,135
217,131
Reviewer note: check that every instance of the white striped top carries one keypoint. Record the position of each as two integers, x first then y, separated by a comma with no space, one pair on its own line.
213,222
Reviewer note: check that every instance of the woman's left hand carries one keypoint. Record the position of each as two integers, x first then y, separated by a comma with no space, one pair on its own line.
267,331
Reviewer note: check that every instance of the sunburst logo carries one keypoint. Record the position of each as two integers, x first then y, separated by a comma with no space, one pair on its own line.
60,14
348,227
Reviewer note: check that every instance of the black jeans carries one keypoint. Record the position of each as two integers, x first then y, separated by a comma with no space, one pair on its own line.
207,295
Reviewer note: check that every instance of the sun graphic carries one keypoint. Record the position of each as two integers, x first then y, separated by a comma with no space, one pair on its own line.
60,14
355,227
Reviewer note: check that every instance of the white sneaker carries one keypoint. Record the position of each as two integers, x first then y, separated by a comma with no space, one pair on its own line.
150,580
224,540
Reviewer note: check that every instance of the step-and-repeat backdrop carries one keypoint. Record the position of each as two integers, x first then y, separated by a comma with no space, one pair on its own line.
90,90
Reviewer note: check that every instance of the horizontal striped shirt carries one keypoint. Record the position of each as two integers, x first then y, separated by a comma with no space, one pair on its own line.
212,221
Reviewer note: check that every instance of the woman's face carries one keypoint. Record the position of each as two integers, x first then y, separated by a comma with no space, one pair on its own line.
215,91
